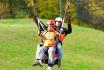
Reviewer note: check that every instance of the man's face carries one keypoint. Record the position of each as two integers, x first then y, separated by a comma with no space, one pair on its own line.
58,23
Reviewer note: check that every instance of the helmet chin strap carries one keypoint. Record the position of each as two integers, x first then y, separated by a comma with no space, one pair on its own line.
59,26
51,30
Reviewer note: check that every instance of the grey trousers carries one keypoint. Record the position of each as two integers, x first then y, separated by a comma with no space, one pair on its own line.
40,53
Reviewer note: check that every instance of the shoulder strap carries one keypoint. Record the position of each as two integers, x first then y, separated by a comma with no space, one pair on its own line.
44,32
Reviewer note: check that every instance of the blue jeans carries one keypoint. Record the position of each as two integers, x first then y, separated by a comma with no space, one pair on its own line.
59,46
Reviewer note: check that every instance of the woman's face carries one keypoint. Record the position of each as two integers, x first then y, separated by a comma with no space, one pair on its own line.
50,28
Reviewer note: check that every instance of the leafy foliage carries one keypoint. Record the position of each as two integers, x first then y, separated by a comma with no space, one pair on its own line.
90,12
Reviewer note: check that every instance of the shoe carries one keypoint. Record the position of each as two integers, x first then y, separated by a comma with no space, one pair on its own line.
49,68
59,63
38,63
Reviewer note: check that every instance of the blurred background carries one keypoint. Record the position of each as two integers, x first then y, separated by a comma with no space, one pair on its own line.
82,12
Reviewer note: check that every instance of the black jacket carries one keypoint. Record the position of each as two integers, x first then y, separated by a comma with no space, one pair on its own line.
41,26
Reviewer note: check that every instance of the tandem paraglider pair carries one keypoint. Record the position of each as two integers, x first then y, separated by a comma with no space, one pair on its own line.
49,51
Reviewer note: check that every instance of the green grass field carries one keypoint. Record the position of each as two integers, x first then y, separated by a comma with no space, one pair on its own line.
82,50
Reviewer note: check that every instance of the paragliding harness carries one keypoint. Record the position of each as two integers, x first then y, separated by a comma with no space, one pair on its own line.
43,28
46,52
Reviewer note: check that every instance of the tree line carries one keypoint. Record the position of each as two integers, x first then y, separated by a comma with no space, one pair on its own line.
85,12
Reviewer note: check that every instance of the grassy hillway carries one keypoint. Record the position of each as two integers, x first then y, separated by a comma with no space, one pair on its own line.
82,50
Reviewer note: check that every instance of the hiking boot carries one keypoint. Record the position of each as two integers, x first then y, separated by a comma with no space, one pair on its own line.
59,63
38,63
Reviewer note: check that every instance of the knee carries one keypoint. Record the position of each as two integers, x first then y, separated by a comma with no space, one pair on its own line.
51,50
59,46
42,49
